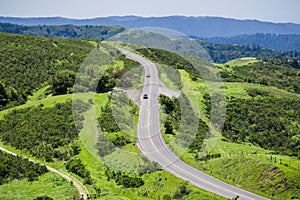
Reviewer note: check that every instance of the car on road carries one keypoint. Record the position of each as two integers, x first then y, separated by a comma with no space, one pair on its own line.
145,96
148,76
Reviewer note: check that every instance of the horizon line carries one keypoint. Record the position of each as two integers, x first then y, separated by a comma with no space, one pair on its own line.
150,16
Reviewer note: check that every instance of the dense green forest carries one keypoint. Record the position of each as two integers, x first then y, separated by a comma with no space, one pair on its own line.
54,62
170,59
271,41
272,123
15,167
63,31
46,133
222,53
27,63
279,72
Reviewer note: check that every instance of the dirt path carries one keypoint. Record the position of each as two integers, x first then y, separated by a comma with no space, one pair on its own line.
83,192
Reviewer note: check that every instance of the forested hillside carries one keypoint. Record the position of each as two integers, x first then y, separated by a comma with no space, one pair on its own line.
27,63
12,167
260,134
63,31
274,127
46,133
197,26
271,41
278,72
221,50
222,53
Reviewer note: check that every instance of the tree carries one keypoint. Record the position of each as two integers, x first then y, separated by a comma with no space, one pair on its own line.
168,126
106,84
63,82
3,95
294,63
183,191
166,197
44,197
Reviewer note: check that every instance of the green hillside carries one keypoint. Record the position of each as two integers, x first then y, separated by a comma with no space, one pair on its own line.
259,144
91,135
278,72
27,63
39,123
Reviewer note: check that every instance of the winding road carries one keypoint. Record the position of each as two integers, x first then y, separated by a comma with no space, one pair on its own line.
151,143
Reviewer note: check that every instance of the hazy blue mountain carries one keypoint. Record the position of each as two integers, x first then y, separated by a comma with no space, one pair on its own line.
191,26
218,52
271,41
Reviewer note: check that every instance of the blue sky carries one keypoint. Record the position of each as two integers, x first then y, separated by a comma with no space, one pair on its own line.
265,10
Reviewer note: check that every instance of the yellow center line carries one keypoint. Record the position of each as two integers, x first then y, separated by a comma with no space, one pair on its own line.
178,167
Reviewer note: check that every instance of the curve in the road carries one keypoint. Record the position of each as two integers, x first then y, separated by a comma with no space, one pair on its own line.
151,143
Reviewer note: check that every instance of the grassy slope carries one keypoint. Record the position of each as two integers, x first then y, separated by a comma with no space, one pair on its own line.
249,156
49,184
231,153
267,177
240,159
157,184
241,61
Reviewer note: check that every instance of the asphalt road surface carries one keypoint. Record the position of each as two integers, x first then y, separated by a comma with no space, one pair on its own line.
151,143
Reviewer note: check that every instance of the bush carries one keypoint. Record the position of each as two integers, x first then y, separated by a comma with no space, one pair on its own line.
63,82
44,132
44,197
270,122
124,179
29,62
15,167
75,165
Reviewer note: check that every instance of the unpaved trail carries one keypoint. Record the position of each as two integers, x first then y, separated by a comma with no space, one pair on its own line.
83,192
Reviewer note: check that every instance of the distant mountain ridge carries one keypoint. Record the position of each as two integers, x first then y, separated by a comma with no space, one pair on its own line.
271,41
190,26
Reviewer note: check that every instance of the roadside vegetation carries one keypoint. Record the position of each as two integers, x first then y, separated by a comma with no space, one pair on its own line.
46,133
14,167
264,156
259,146
49,185
278,72
261,127
179,121
223,53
